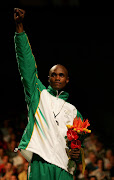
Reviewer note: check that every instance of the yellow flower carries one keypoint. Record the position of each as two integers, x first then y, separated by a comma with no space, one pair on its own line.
89,131
68,126
84,129
78,131
74,129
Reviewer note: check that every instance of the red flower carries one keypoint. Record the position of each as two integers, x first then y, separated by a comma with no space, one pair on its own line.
78,123
76,144
72,135
85,123
69,134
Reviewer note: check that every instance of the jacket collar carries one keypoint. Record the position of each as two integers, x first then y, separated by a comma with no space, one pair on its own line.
62,95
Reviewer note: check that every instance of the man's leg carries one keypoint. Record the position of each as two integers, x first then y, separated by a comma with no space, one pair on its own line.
42,170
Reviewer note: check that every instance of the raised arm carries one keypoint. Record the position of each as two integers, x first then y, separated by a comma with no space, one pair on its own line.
25,58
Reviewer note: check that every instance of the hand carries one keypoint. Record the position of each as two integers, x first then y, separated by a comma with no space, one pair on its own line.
19,15
74,153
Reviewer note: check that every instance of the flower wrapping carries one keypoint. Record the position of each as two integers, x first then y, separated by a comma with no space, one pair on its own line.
75,138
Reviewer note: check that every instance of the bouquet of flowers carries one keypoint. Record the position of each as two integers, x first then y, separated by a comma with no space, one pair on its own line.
75,138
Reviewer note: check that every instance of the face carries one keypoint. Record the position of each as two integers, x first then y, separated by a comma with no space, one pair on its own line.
13,177
109,153
92,178
9,166
58,77
5,159
92,157
100,163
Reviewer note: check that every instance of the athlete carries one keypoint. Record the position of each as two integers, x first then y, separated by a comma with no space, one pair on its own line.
43,142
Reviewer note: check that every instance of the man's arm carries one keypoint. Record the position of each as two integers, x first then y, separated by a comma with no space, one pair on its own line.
25,58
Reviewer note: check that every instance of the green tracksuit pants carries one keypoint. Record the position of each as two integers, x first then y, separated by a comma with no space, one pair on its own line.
42,170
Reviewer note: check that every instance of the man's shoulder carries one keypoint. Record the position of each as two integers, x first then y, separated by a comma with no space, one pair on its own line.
74,109
71,108
70,105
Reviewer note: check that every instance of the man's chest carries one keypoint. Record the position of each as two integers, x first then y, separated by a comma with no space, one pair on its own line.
56,112
63,112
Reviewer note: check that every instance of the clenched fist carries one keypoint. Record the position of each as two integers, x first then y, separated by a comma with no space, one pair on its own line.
18,17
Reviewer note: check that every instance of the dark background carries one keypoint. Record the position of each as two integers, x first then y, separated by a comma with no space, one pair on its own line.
77,34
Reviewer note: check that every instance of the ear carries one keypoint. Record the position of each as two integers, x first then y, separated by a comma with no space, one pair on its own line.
49,79
67,81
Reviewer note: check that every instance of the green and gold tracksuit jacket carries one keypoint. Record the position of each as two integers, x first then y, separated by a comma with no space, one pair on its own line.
48,111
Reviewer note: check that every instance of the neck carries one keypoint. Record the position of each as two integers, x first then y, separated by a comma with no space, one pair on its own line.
58,92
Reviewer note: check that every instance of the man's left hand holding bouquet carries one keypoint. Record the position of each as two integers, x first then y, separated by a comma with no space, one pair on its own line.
74,154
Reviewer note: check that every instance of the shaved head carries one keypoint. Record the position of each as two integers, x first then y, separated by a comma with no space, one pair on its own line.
61,66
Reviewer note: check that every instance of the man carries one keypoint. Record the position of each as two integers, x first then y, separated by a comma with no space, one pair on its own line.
43,143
